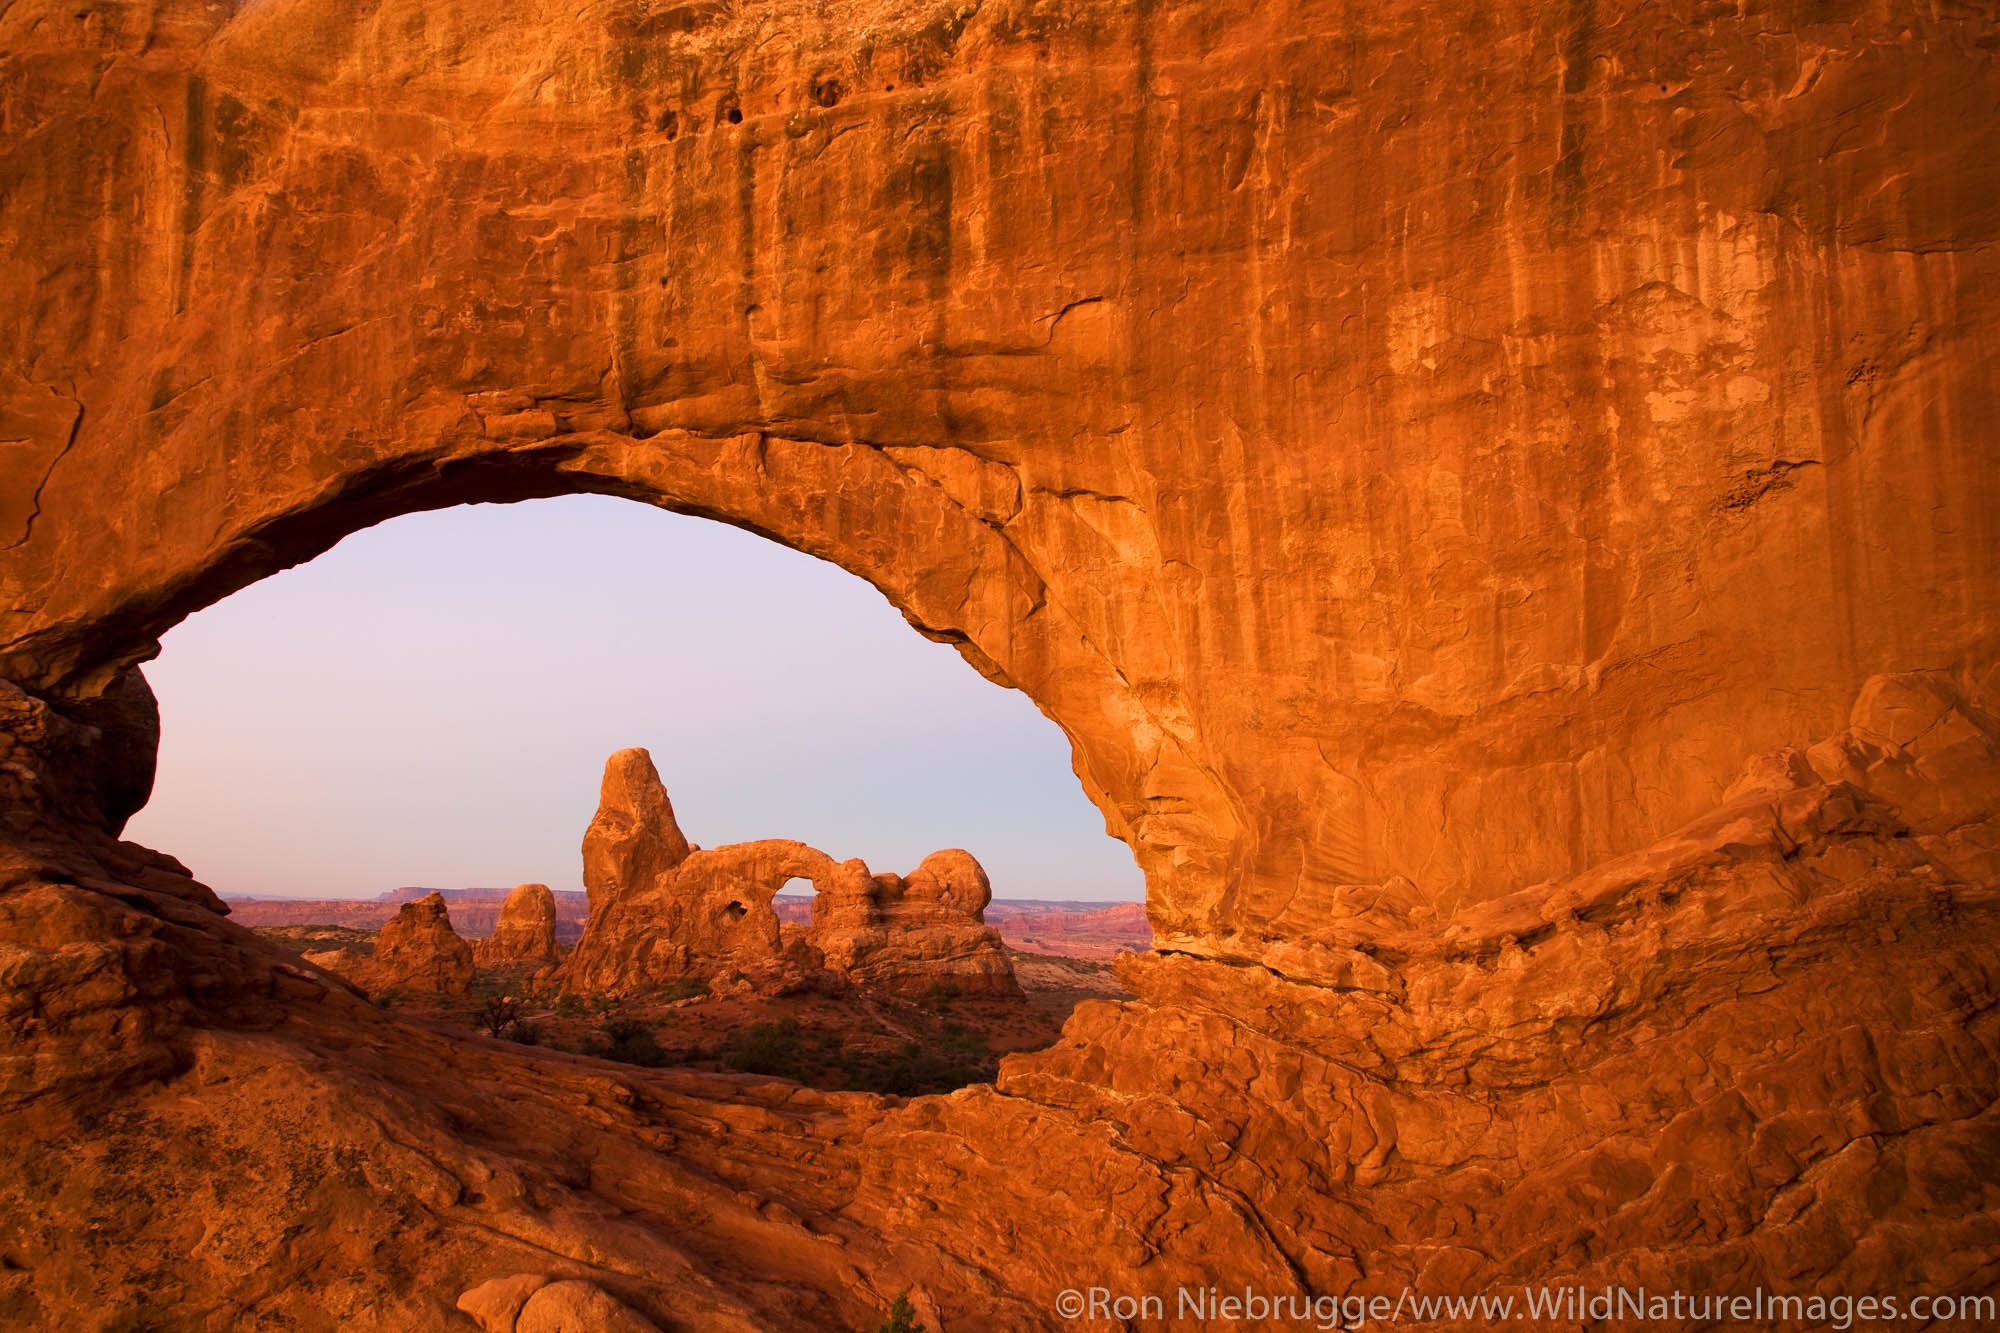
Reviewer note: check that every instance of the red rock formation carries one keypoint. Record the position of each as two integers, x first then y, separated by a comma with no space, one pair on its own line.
525,934
418,950
1419,454
644,929
919,935
662,913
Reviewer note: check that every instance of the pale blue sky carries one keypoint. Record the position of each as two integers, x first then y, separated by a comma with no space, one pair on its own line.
431,702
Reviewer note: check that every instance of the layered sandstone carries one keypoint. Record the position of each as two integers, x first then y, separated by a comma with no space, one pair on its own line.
1499,498
662,911
525,933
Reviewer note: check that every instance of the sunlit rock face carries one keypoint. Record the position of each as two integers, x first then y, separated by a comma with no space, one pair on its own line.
525,933
1502,502
663,911
921,933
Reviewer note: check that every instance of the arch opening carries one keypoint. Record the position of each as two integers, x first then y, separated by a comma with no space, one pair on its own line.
916,523
813,758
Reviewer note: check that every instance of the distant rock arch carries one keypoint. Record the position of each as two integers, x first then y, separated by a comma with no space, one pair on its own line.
662,911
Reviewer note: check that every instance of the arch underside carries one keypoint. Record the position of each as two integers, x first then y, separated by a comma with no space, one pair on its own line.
1501,506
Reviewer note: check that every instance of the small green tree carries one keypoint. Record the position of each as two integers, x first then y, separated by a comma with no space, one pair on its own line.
900,1317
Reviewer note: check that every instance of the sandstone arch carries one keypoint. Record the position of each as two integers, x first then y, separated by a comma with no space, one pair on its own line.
663,911
1418,455
993,421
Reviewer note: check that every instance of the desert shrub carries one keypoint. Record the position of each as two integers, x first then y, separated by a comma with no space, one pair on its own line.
952,1061
939,996
628,1041
764,1048
569,1006
900,1317
526,1033
958,1039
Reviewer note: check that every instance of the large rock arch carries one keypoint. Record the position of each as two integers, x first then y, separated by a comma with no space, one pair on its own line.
1419,458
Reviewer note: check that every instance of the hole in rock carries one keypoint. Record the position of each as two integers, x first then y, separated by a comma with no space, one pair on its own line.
430,705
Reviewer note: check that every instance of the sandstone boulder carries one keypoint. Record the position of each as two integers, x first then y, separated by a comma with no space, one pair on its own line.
495,1305
525,933
576,1306
533,1303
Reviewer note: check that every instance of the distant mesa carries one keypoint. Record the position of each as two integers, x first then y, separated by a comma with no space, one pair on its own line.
663,911
409,893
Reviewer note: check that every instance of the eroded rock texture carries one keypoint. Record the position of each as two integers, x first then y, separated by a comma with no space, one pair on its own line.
418,950
922,933
1502,501
662,911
